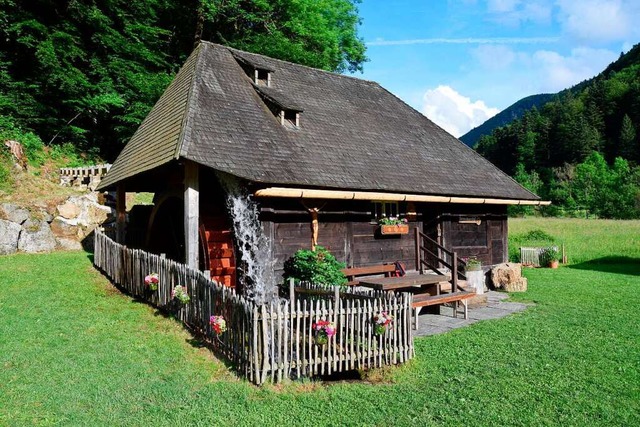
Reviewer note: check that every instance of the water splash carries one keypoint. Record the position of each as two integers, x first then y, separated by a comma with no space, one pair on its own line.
259,283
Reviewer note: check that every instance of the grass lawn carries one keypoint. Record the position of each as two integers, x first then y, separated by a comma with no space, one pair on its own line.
73,351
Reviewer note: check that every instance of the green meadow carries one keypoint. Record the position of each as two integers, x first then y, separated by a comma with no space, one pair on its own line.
75,351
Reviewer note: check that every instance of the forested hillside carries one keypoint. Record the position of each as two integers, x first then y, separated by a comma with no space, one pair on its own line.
580,150
86,72
505,117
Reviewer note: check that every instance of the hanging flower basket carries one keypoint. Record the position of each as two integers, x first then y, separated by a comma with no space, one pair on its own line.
152,281
218,325
394,229
323,330
180,295
381,322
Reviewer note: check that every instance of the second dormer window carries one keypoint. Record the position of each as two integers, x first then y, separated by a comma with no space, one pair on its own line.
262,77
290,118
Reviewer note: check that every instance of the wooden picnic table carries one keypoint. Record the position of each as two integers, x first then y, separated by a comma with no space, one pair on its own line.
402,283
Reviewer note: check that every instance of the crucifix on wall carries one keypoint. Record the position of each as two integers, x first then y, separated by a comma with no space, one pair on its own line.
314,224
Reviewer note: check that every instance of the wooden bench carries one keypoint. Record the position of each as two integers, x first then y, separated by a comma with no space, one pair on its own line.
354,272
425,300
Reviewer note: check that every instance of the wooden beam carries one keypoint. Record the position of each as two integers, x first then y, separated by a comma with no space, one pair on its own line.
121,213
308,193
191,213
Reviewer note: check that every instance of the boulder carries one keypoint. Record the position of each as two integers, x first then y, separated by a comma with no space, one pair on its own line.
64,229
9,236
68,210
68,244
508,276
13,213
36,236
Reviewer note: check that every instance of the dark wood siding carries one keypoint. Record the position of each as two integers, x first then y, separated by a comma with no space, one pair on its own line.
345,228
486,240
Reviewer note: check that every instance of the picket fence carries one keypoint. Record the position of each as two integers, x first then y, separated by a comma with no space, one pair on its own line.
274,341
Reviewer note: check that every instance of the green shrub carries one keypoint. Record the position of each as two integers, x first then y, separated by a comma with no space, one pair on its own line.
31,143
6,179
318,267
533,238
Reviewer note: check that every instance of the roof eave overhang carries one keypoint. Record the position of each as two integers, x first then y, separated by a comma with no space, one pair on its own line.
308,193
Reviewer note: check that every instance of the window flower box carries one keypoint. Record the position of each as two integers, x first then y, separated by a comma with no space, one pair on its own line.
393,225
394,229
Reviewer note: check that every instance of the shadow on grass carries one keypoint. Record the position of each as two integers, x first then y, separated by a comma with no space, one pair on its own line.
611,264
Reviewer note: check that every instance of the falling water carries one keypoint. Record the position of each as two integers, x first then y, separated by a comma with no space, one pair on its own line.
258,275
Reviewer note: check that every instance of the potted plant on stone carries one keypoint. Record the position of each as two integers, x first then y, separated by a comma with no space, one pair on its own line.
474,274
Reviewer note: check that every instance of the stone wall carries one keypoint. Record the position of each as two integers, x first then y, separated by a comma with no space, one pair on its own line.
44,229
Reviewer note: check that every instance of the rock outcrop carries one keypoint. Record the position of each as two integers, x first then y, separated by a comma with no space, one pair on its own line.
37,229
9,235
508,277
36,236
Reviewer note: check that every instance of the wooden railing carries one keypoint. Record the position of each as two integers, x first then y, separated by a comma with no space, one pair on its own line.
84,175
272,341
435,257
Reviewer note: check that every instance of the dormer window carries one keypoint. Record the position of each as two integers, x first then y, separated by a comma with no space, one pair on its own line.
290,118
262,77
285,109
256,68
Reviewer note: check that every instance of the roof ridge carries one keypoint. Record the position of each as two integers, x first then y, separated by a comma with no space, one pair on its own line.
290,63
181,147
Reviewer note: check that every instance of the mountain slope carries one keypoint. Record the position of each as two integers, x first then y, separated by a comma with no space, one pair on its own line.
506,116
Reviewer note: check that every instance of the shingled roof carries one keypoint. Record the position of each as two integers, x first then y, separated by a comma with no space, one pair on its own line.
353,133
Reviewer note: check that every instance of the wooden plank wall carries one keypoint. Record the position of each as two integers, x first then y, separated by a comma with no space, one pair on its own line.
487,241
268,342
354,243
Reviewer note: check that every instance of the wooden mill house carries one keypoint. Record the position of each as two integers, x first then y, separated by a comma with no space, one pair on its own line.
316,150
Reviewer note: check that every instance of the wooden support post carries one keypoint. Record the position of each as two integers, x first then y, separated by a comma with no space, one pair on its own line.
191,213
454,272
418,254
121,213
292,292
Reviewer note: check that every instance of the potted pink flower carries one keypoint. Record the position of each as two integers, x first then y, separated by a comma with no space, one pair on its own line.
152,281
381,321
180,294
323,330
218,324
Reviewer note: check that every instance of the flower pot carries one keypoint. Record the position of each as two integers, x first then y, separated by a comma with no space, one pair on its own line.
554,264
394,229
475,279
379,329
321,339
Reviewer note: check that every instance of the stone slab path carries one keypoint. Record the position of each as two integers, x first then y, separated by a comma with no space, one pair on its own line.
497,307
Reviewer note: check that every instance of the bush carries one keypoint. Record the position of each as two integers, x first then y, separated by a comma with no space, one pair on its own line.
6,179
318,267
31,143
534,238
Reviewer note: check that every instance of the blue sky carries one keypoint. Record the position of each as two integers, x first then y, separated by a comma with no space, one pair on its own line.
461,61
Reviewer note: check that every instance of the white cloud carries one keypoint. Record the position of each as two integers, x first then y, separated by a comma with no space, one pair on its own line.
600,21
515,12
502,5
468,40
556,72
454,112
494,57
515,72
